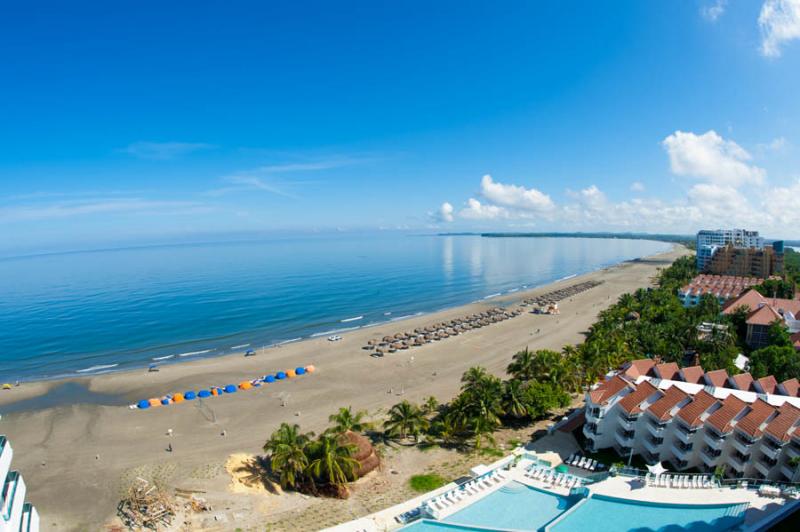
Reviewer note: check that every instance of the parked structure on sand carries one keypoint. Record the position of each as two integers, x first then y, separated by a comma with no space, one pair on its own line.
697,419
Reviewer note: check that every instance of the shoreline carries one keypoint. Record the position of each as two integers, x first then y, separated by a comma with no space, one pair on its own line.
78,458
109,367
28,391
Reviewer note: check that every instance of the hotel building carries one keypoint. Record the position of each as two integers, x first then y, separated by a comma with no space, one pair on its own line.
709,241
695,419
16,515
723,287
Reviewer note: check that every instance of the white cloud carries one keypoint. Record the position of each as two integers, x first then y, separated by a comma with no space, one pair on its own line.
162,151
446,212
779,22
713,11
710,157
477,211
637,186
514,196
776,144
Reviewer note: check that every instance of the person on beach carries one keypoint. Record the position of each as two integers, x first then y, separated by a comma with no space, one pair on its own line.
169,447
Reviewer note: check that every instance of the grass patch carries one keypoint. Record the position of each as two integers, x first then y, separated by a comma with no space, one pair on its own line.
427,482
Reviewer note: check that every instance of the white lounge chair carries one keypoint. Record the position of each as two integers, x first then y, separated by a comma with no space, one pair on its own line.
582,462
593,465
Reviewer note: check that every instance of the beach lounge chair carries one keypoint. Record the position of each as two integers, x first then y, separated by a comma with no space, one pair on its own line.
486,482
581,462
593,465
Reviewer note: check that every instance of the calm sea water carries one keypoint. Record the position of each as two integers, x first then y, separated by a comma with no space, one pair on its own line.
91,312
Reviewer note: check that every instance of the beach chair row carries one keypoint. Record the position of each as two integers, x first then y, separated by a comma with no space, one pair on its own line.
551,476
583,462
680,481
469,489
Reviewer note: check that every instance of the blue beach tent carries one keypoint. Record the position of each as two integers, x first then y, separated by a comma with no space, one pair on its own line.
143,404
300,371
269,378
230,388
280,375
203,393
189,395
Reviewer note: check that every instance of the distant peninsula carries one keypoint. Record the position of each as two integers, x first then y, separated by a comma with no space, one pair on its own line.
687,240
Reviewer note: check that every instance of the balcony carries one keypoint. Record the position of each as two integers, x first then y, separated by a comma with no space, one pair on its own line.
594,414
627,423
763,467
739,463
590,430
709,459
792,450
681,450
686,436
624,438
713,440
742,444
653,444
767,449
788,472
656,430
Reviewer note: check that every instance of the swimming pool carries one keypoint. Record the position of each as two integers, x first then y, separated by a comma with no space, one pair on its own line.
600,514
515,506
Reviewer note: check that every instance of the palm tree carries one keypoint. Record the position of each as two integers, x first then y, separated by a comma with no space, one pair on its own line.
473,376
447,430
347,421
332,461
430,405
286,449
514,399
521,366
406,419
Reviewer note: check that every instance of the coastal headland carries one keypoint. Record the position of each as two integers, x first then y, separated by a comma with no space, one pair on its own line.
77,458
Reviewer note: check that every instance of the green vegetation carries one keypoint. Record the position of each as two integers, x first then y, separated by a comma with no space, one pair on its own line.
791,265
322,465
781,288
425,483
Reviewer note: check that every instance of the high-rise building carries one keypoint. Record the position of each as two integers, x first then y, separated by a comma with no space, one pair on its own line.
17,515
709,241
730,260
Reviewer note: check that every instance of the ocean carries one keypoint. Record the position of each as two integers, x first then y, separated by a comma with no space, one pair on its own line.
91,312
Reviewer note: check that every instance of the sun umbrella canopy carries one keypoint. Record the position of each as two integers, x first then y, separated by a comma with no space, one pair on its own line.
656,469
204,393
245,385
280,375
143,404
300,370
189,395
230,388
269,378
165,401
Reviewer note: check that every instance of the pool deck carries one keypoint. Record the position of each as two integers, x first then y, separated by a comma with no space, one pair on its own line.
622,487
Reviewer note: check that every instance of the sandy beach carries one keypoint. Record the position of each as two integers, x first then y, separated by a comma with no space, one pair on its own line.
77,458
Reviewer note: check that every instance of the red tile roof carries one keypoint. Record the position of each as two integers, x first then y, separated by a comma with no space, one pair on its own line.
691,412
662,408
668,371
630,403
779,427
718,378
608,389
766,315
751,423
693,374
637,368
768,384
750,299
742,381
721,418
791,387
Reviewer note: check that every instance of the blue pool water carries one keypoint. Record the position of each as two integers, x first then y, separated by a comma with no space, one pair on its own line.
92,312
606,514
514,506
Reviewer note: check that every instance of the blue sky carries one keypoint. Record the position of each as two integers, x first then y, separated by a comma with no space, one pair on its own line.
131,122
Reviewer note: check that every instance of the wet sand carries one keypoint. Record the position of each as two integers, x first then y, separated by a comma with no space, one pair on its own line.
91,450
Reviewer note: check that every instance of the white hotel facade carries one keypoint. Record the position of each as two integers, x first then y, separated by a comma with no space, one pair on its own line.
697,419
16,515
708,241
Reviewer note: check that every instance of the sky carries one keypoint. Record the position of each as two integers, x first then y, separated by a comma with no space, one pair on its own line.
125,122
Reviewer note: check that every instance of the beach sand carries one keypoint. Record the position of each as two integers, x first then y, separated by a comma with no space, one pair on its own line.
77,459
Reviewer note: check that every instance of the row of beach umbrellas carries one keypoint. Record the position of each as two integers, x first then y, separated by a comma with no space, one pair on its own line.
214,391
438,331
555,296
